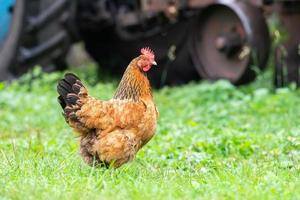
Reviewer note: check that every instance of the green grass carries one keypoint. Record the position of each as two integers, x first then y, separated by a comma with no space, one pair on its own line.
214,141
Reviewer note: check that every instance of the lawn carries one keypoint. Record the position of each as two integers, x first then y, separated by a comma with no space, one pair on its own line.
214,141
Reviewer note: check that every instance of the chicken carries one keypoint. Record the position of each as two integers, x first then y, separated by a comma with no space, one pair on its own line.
111,132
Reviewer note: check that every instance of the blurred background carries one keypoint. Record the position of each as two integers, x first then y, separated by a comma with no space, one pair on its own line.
192,39
213,140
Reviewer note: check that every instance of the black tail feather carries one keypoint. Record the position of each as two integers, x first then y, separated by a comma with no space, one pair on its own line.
71,78
61,102
72,98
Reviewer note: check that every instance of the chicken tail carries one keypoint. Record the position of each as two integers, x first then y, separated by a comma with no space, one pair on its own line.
70,90
72,94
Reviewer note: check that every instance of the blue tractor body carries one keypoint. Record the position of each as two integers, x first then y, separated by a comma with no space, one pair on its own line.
5,18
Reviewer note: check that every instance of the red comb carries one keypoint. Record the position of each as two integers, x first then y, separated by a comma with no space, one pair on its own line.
147,52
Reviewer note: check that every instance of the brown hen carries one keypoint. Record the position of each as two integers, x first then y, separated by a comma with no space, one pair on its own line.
111,132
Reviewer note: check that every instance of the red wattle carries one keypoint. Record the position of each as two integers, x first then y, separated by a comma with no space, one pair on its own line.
146,68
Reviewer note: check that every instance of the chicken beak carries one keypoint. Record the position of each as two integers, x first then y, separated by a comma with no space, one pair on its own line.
154,63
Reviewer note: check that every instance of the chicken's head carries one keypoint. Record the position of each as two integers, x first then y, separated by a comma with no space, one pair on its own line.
146,59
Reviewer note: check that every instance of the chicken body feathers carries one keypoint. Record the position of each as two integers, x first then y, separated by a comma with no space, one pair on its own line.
111,132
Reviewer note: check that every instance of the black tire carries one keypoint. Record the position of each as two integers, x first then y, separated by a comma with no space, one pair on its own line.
114,53
38,38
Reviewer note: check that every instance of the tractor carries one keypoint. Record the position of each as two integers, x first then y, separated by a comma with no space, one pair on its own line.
192,39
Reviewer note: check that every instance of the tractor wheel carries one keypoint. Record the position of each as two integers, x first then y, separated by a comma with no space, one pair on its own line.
39,33
229,38
172,54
